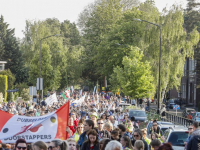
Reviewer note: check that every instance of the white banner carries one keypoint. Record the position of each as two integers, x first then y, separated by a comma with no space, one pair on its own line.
51,99
79,101
32,129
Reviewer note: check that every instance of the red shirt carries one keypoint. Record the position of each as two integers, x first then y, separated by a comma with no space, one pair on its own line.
76,122
73,129
91,147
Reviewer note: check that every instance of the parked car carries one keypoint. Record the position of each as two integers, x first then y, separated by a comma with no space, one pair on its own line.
171,103
187,112
150,124
196,116
176,136
177,101
140,115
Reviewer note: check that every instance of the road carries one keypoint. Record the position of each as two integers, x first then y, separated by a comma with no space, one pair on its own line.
171,111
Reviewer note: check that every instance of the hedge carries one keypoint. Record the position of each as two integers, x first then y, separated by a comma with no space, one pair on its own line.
4,86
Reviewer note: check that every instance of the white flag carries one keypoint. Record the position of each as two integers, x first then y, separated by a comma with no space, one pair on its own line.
51,99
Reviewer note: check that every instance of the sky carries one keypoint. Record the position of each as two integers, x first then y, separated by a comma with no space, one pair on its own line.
16,12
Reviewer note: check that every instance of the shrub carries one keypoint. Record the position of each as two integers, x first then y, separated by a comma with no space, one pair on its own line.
25,95
4,86
10,82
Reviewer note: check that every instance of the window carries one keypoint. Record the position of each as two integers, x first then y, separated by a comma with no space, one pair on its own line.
191,66
194,91
166,133
183,90
178,138
185,68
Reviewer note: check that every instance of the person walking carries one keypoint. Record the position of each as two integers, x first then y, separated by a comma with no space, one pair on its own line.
88,124
137,134
92,143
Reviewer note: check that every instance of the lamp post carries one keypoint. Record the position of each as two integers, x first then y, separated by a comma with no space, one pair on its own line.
40,60
159,61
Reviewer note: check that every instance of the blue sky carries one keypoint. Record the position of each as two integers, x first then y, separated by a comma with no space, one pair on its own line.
15,12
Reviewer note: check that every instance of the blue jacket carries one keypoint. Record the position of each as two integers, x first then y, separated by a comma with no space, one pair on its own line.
194,143
82,139
188,139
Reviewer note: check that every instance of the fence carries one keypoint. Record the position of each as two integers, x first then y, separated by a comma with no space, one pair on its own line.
173,118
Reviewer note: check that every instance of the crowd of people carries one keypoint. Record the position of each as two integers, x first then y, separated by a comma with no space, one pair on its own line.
98,123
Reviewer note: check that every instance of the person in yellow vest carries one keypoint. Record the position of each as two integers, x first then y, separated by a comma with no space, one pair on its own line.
79,131
144,134
128,124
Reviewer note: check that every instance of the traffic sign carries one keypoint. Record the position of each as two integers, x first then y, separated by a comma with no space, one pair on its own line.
13,90
41,84
32,90
176,107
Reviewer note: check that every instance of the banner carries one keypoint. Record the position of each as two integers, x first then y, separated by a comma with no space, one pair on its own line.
94,90
79,101
44,128
51,99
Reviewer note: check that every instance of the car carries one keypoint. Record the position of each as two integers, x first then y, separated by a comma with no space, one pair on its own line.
177,101
164,127
196,116
124,105
171,103
140,115
176,136
187,112
150,124
133,102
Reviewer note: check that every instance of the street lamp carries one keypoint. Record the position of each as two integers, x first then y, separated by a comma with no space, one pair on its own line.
40,60
159,60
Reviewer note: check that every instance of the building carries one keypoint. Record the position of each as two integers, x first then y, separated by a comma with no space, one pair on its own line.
188,92
2,65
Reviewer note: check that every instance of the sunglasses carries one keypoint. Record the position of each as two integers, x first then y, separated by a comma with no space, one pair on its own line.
155,125
100,123
190,128
19,147
79,127
72,144
136,135
51,147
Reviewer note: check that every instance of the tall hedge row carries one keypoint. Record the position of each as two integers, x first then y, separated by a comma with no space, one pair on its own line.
4,86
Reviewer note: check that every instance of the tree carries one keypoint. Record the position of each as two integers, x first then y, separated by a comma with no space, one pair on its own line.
21,86
61,48
96,20
176,45
50,76
134,77
10,52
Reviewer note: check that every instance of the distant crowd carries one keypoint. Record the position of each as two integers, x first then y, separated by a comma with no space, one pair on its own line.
98,123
